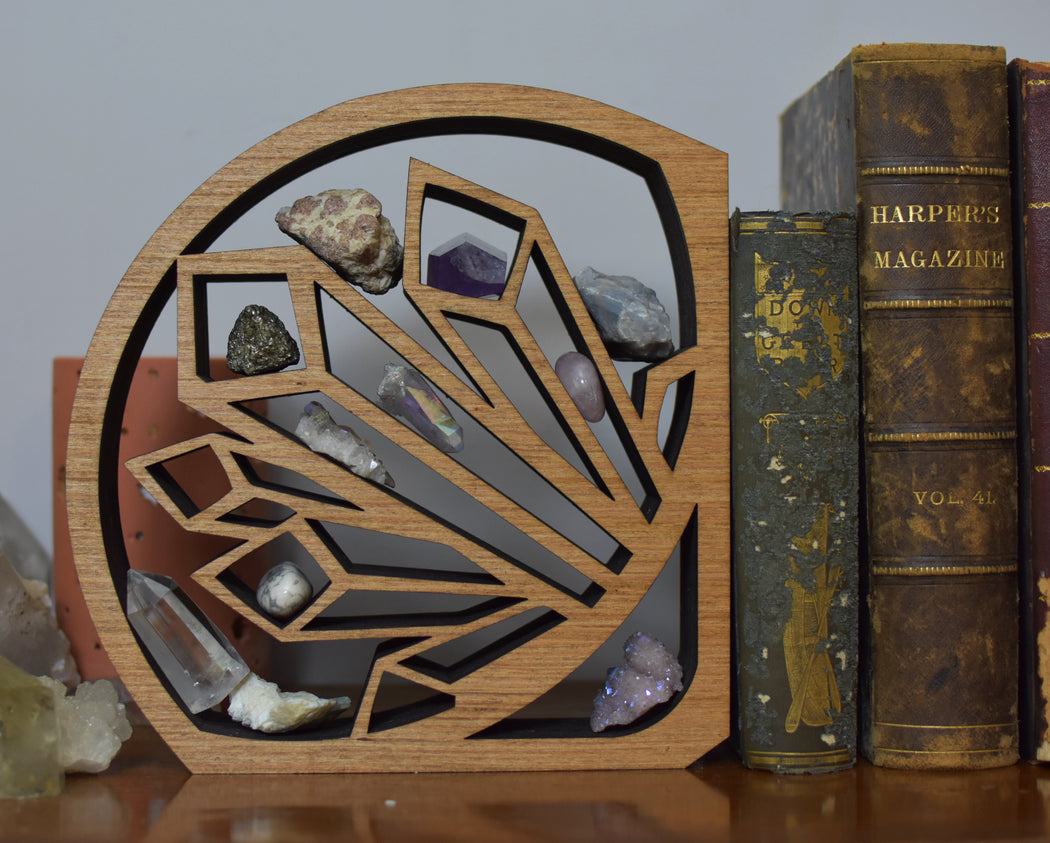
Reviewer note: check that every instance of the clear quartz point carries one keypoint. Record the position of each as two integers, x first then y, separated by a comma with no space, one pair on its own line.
199,662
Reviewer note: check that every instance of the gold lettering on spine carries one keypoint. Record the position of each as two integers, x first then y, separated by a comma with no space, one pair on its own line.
947,258
786,313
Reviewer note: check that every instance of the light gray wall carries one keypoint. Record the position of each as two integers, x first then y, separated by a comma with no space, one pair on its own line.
113,112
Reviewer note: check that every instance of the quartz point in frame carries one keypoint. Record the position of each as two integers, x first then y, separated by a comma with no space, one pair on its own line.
406,394
199,662
319,431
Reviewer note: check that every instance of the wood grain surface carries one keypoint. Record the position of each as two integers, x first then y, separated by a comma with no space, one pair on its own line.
687,481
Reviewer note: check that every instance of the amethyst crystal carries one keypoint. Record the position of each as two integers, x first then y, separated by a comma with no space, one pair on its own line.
469,267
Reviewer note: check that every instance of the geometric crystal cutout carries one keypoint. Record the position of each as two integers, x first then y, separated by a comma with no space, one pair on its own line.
196,658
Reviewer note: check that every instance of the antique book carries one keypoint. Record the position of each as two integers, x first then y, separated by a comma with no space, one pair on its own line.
914,137
795,407
1029,84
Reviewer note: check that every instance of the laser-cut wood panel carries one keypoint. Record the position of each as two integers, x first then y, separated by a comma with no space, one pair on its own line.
465,719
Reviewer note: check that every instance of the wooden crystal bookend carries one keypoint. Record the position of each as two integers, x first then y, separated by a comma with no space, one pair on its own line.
481,582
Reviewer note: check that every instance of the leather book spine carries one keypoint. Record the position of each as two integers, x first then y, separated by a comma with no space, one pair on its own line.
930,155
1029,84
795,468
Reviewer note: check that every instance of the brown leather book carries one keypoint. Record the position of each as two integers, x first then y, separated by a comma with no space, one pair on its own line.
914,137
795,400
1030,169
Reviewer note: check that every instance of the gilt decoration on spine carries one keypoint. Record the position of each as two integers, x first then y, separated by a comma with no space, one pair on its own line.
795,415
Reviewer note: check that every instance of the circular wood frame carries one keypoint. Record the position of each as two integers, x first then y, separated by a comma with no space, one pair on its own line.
688,183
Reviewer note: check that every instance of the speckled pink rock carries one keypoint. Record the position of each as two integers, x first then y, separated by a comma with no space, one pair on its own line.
347,230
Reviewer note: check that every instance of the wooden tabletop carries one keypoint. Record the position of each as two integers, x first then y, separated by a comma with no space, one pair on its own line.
148,795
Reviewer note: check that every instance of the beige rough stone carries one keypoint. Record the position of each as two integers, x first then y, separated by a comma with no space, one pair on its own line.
262,706
347,230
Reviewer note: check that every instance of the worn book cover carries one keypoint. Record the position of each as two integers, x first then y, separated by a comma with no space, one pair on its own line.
795,412
914,137
1030,168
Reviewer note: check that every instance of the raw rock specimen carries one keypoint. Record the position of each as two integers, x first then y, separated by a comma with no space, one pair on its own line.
319,431
260,343
347,230
262,706
29,763
648,676
283,590
469,267
198,661
23,550
405,393
29,635
580,378
92,724
630,319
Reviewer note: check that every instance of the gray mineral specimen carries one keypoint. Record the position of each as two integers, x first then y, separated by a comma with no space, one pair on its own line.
259,343
29,635
630,318
347,230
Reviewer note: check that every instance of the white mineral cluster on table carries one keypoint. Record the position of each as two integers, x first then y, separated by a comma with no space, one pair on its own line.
92,724
649,675
347,230
320,432
283,590
262,706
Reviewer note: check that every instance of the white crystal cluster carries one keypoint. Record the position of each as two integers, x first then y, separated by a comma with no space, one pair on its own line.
92,724
347,230
262,706
649,675
319,431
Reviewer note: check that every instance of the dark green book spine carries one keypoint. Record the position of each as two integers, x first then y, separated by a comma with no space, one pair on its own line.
796,455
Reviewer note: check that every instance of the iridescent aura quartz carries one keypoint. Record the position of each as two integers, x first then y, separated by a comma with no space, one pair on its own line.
649,675
404,393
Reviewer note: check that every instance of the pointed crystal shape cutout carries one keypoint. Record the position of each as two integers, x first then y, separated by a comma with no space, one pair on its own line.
201,665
